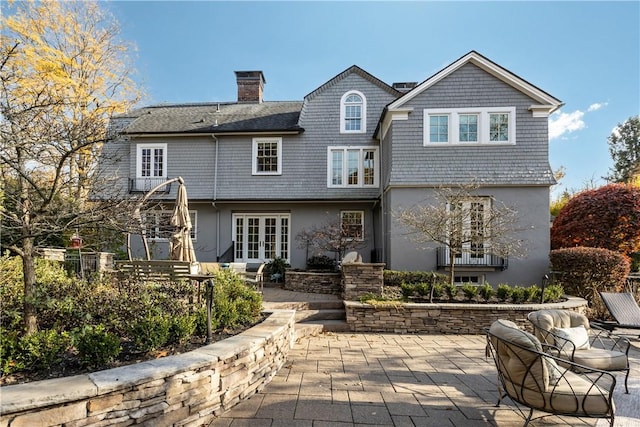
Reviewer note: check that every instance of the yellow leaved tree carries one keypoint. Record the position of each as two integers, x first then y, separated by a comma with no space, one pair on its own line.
64,72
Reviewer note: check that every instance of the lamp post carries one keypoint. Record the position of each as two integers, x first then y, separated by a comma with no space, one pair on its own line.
209,300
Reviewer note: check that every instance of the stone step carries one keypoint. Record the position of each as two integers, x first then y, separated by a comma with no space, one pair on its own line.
311,328
318,315
305,305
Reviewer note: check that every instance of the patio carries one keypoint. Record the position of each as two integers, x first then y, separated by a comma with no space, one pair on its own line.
347,379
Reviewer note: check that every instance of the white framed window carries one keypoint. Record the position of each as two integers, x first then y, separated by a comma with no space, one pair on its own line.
472,126
267,156
158,226
475,279
352,223
151,165
352,166
353,112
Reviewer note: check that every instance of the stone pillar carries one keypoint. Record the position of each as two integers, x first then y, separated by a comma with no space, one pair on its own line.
360,278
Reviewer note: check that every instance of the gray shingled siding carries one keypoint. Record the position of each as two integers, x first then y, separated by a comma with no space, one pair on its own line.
113,165
191,158
304,156
525,163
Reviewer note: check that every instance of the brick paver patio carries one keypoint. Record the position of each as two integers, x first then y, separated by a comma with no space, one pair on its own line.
346,379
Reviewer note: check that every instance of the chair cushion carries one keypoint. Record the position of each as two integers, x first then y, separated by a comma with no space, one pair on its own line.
578,335
521,367
573,394
598,358
549,319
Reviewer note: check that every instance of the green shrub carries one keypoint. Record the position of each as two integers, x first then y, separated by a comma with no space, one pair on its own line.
451,290
553,293
96,346
486,291
235,302
321,262
42,349
584,271
201,322
276,268
150,333
423,289
182,328
518,295
470,291
532,293
503,292
408,290
10,360
396,278
438,290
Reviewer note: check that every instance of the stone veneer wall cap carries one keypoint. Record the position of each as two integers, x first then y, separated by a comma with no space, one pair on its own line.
131,375
571,302
21,397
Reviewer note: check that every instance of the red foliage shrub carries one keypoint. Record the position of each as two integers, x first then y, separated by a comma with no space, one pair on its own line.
584,271
607,217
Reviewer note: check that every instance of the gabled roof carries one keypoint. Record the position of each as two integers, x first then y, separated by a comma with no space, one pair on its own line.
473,57
271,116
351,70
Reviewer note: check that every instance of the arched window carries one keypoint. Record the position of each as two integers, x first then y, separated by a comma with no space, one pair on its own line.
353,112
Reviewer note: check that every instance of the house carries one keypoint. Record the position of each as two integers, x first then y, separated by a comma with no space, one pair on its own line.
258,172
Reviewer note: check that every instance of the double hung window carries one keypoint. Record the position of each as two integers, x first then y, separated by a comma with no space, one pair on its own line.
470,126
158,226
353,112
352,167
267,156
352,223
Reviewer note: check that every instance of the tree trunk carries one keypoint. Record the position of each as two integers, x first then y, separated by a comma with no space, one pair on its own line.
452,261
29,272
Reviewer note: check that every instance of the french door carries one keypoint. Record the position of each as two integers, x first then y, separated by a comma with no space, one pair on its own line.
261,237
468,229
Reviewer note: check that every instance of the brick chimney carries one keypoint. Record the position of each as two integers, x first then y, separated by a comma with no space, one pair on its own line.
250,86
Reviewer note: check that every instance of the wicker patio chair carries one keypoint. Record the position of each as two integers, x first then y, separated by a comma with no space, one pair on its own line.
573,338
533,378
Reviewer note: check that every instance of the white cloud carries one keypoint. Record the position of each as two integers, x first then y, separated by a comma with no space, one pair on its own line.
596,106
561,123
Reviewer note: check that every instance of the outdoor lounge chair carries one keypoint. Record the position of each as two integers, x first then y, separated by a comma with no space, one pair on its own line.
569,336
532,378
623,307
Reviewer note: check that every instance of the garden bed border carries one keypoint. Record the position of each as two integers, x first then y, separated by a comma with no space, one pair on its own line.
444,318
188,389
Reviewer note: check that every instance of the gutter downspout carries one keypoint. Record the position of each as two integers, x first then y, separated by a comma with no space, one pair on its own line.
215,196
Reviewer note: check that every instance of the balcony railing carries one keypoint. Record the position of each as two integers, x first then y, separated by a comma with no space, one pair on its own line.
142,185
472,259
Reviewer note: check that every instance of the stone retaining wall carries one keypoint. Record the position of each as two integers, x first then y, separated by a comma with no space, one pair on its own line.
359,279
189,389
443,318
312,282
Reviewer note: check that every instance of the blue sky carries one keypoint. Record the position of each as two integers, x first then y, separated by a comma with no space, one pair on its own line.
587,54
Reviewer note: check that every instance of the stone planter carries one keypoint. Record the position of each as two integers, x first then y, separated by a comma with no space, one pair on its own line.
456,318
190,388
